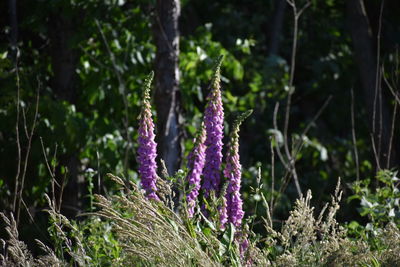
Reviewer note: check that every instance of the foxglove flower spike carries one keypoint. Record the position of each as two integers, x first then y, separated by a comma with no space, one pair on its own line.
195,166
147,150
214,124
233,174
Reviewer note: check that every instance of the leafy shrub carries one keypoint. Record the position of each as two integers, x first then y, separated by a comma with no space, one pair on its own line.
382,204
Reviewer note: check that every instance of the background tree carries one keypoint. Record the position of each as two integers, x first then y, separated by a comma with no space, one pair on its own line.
367,54
166,36
63,27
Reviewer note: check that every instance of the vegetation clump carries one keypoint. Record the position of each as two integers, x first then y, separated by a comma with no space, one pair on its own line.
142,226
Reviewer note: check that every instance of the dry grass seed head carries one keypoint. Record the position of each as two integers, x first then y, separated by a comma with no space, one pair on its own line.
151,231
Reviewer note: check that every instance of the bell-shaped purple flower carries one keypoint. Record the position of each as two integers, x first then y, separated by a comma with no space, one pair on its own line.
233,174
147,150
214,123
196,160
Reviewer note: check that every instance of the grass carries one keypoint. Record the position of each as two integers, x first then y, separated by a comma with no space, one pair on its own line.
129,230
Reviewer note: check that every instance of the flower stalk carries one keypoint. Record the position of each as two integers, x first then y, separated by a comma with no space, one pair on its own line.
147,150
196,160
214,124
233,174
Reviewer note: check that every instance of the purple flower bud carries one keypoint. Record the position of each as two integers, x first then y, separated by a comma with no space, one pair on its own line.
195,166
147,150
214,123
233,174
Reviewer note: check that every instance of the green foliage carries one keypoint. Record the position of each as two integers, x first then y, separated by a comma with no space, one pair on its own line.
379,198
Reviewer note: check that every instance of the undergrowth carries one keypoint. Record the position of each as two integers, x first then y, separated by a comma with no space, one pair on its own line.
129,230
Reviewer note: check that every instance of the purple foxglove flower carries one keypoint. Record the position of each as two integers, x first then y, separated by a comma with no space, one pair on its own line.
243,246
214,123
223,214
233,174
195,166
147,150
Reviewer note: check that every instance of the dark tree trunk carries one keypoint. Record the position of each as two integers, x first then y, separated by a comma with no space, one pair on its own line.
166,35
64,59
366,59
275,27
